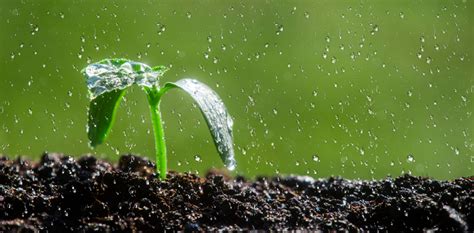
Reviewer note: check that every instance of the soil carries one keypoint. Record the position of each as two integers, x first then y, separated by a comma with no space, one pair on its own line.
61,194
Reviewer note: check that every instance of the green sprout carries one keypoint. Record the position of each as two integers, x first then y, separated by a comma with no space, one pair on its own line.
107,81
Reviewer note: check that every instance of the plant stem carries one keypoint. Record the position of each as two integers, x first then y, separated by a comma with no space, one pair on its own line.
160,145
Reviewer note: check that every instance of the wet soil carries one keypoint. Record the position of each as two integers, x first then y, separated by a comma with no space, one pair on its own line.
61,194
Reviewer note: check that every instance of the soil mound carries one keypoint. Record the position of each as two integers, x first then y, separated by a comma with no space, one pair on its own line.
61,194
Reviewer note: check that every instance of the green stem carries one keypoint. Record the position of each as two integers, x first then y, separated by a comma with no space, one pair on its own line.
160,145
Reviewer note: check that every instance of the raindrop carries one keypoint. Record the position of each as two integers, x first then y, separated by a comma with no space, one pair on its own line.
375,29
306,15
410,158
188,15
279,29
428,60
161,28
316,158
34,29
402,15
361,151
197,158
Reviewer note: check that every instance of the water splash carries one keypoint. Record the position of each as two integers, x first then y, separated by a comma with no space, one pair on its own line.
118,74
218,119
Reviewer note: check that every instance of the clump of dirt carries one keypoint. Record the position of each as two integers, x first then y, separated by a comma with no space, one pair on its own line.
62,194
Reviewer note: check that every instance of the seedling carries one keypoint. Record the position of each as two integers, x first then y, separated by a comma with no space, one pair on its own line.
107,81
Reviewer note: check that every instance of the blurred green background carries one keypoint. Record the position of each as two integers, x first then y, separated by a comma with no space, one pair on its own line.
359,89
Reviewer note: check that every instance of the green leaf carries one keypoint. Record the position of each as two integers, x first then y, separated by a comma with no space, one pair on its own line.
102,112
218,119
107,81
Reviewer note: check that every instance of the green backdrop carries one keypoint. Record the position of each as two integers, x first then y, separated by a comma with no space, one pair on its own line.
360,89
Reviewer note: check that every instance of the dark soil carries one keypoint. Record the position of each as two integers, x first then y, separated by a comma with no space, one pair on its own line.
61,194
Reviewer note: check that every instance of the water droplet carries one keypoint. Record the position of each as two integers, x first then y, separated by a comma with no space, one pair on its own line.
428,60
279,29
34,29
315,158
197,158
422,39
188,15
410,158
375,29
161,28
306,15
418,55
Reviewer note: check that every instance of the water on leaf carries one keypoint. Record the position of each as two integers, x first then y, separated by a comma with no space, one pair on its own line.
218,119
118,74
